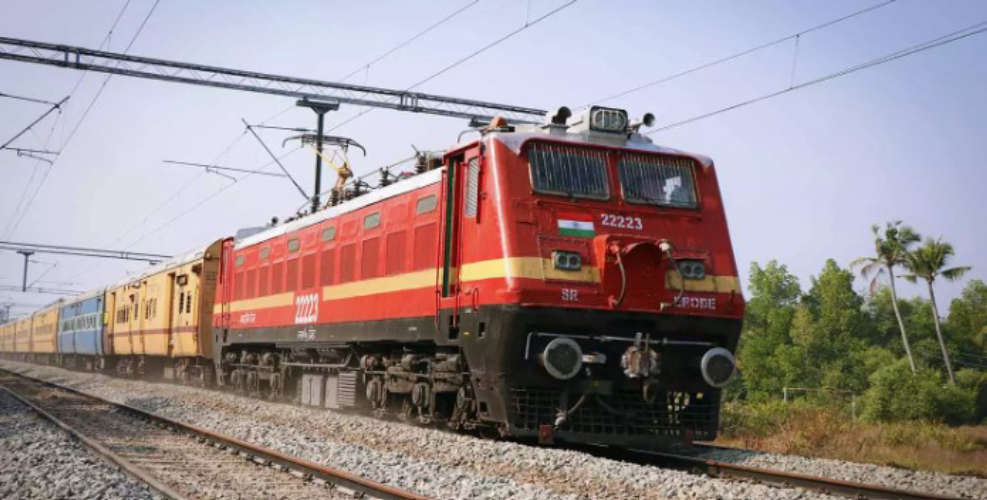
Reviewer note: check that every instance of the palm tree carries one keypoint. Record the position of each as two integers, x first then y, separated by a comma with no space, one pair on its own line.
891,249
928,262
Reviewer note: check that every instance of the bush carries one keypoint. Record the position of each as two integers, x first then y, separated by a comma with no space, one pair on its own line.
976,382
884,401
956,405
896,395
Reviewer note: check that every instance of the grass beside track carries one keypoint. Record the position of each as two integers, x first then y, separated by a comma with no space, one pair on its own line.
829,433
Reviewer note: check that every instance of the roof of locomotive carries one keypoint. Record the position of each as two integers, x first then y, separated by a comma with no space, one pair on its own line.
515,140
377,195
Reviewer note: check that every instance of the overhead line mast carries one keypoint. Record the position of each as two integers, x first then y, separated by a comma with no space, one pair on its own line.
67,56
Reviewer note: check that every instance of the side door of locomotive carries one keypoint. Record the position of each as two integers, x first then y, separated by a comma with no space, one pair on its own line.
458,301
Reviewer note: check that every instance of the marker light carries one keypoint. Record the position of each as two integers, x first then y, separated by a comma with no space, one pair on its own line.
567,261
607,119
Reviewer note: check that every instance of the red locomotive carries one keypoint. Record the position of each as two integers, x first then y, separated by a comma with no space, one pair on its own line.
568,281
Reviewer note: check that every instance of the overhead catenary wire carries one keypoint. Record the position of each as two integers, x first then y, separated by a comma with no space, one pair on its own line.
207,199
106,80
972,30
240,136
26,99
42,275
75,87
51,291
34,172
44,115
742,53
102,45
392,50
218,167
85,113
275,159
410,40
465,58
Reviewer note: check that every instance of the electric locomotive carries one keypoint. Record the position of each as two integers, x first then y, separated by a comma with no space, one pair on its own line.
569,281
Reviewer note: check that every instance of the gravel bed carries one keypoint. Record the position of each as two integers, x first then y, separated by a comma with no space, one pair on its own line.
906,479
439,464
39,460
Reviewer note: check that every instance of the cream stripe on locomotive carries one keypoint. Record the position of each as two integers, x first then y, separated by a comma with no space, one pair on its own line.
515,267
710,284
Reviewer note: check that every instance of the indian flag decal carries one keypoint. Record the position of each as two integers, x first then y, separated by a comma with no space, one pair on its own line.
576,225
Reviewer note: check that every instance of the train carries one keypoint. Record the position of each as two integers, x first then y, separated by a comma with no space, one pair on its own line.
562,282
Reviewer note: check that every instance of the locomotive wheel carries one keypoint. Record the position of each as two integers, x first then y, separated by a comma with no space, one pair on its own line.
375,393
407,413
277,386
237,377
253,385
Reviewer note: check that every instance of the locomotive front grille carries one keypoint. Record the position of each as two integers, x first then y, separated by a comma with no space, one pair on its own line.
622,413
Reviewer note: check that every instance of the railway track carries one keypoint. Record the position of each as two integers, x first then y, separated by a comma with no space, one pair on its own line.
690,460
182,461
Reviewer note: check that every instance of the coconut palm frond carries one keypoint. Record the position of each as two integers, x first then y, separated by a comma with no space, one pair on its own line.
928,260
875,282
861,261
955,273
908,236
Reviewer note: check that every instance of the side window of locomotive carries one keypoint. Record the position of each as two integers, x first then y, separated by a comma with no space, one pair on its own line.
569,171
425,205
472,188
657,180
293,245
371,221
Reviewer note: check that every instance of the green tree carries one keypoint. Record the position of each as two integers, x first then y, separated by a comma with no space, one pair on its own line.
768,316
968,315
928,262
838,311
829,334
891,249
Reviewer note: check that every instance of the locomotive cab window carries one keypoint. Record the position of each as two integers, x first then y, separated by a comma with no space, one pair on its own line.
657,180
569,171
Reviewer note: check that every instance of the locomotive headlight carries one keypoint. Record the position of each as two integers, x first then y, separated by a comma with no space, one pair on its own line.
562,358
567,261
692,269
718,366
607,119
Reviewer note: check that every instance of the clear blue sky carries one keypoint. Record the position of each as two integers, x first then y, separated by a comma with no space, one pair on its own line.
803,175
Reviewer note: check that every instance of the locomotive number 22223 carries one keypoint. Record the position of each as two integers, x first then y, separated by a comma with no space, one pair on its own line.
621,221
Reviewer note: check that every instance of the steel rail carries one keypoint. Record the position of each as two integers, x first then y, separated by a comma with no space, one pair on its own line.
784,478
307,469
125,465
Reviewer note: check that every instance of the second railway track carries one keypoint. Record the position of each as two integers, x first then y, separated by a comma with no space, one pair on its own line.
182,461
692,460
